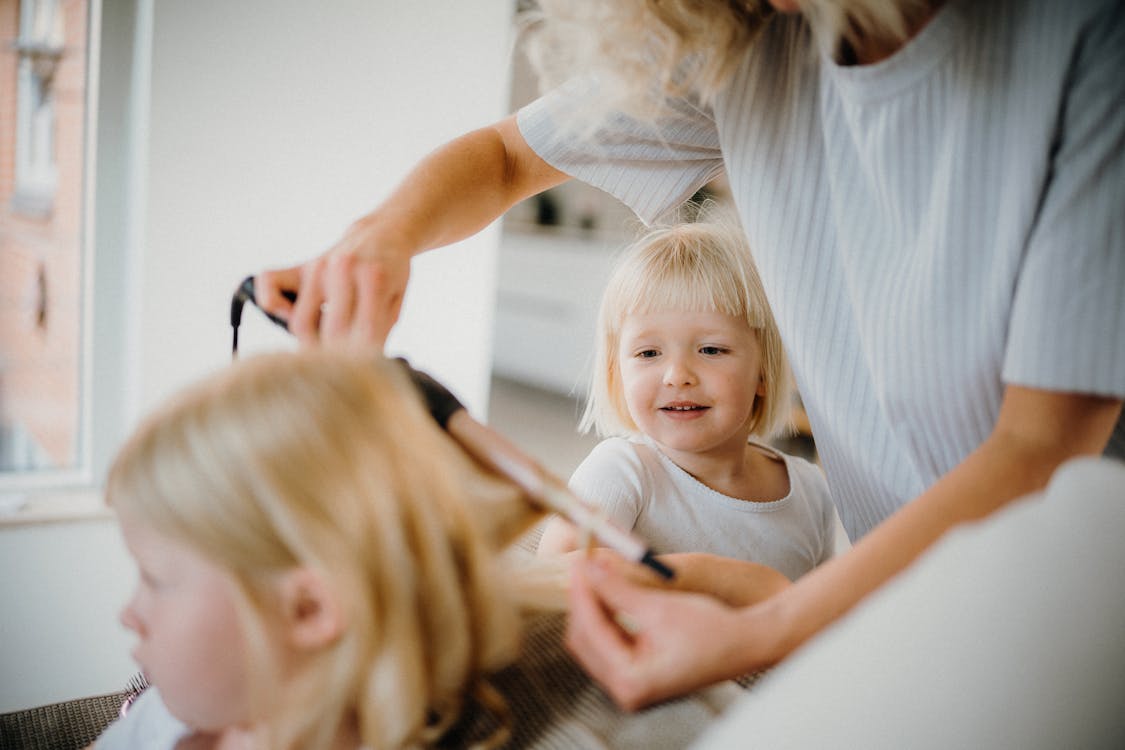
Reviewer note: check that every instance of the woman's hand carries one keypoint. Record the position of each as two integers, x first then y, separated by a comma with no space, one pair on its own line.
350,296
645,644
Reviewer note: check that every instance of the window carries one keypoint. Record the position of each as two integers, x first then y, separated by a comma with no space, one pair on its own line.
43,112
40,50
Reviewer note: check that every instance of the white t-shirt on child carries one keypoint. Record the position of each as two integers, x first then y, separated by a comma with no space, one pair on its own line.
146,726
640,488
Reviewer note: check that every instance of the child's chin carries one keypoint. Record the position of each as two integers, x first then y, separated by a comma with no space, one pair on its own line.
199,718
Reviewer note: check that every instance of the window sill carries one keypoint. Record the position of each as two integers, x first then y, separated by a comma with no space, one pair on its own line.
32,508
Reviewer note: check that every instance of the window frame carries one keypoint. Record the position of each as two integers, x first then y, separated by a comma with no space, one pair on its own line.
118,35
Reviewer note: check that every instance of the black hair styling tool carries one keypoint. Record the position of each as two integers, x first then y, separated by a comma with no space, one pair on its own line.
496,453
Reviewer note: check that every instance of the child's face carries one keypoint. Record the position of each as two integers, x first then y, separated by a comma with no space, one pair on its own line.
689,380
190,642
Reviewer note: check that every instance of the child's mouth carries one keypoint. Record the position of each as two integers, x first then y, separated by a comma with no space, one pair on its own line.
683,408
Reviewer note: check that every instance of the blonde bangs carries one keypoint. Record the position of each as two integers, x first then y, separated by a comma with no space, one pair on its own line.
682,268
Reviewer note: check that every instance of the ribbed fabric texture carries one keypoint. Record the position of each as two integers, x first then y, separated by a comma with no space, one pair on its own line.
928,228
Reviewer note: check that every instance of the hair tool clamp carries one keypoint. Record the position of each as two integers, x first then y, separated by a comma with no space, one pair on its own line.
493,451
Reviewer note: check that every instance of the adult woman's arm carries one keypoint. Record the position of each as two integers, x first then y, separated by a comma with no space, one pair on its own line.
737,583
451,194
678,642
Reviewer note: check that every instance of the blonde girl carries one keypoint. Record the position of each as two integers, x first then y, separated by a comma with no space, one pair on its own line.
689,365
316,560
320,568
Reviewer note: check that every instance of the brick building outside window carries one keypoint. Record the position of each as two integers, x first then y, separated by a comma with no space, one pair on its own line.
43,46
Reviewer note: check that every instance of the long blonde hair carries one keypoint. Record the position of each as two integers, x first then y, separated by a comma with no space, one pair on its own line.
642,50
330,462
701,266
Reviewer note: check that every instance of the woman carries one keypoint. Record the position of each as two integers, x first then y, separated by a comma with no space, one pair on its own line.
933,190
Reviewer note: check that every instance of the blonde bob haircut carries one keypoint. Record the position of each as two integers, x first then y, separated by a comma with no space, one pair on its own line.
701,266
330,462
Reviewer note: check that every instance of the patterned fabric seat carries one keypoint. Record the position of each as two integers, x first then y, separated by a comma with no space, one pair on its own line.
68,725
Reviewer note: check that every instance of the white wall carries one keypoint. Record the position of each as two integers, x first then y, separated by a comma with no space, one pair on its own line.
63,585
271,124
274,124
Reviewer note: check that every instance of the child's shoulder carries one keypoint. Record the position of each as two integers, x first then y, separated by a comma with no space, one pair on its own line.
621,448
623,455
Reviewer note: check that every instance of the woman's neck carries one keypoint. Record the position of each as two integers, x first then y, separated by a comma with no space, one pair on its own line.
868,49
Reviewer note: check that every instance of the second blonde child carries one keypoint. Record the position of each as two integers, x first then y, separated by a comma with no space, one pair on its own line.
690,378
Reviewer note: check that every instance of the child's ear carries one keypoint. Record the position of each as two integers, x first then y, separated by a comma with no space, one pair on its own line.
761,389
313,618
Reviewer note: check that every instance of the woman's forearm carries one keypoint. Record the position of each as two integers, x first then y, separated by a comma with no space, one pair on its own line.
459,189
1037,431
735,582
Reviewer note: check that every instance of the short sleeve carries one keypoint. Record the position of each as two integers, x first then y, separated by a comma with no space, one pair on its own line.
652,167
612,478
1067,326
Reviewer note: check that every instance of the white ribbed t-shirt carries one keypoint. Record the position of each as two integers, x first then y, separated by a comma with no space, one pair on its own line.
928,228
641,489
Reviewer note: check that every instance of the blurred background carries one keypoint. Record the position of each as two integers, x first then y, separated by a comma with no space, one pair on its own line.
155,152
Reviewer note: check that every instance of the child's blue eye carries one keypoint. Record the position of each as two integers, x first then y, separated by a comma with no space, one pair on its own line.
711,350
647,354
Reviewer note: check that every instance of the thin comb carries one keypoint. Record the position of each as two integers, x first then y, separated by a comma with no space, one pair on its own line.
138,683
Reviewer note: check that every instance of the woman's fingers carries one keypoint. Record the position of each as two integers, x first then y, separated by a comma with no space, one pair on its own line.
380,287
610,622
337,316
344,298
304,323
594,630
645,644
268,288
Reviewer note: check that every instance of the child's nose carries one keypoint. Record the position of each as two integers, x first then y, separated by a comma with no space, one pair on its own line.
129,617
678,372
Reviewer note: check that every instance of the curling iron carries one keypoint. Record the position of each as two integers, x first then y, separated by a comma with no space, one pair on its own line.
494,452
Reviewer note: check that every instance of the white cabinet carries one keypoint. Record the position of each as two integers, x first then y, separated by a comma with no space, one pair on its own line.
549,285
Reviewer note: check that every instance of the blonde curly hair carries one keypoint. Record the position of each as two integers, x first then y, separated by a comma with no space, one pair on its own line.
643,50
